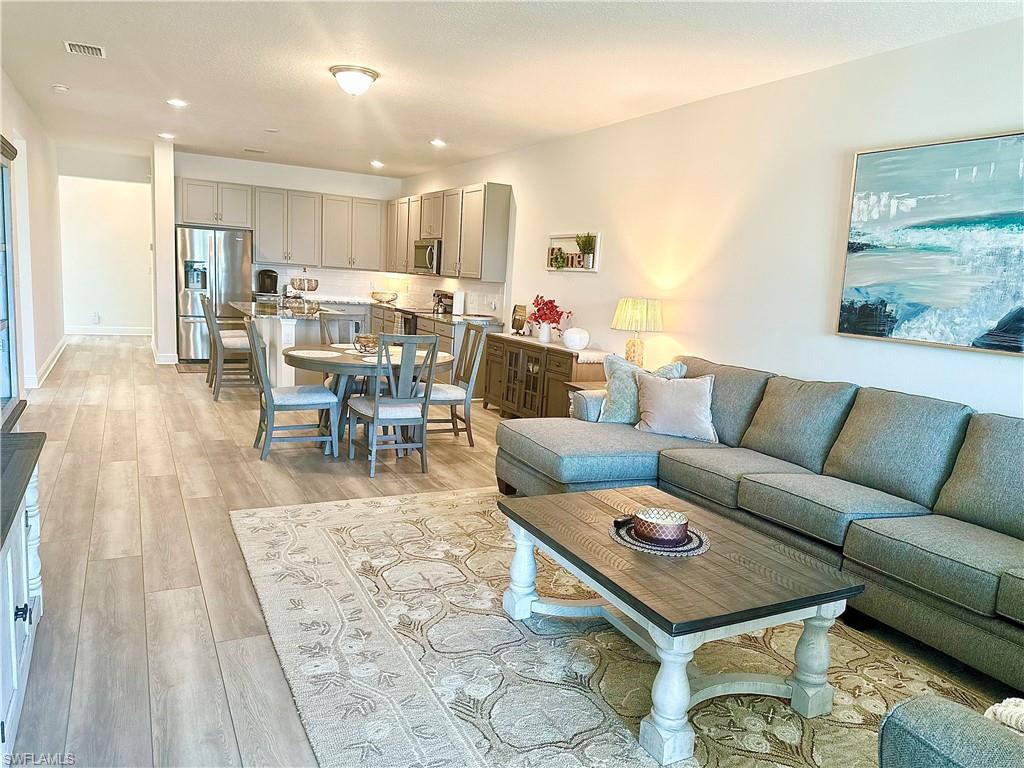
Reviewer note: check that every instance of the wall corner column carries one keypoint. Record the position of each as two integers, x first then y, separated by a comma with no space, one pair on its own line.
165,319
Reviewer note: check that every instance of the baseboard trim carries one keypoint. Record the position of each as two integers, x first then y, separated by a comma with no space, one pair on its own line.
107,330
163,359
36,381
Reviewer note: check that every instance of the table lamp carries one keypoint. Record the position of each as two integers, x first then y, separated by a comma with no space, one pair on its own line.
637,315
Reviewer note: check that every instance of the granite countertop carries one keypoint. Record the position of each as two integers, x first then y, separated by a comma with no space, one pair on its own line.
266,309
19,452
457,319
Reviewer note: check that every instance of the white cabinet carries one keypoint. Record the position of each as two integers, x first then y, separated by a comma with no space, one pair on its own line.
483,250
337,232
471,246
287,227
431,215
214,204
391,252
415,203
452,232
352,233
402,235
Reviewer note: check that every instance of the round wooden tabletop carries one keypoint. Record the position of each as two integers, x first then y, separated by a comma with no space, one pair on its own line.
345,359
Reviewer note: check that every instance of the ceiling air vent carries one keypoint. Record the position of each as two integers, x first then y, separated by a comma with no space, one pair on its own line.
255,151
86,49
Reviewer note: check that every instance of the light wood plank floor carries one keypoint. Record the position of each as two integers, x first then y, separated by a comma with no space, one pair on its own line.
153,649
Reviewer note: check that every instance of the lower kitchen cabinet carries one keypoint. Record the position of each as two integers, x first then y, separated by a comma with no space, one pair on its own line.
526,378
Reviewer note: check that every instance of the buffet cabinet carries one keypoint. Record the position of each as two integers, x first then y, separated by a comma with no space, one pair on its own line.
527,378
21,588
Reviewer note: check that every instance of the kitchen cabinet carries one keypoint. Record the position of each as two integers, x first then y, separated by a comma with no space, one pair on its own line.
391,252
367,233
215,204
451,238
431,215
336,246
526,378
352,233
402,235
415,204
483,250
270,239
383,320
287,227
304,212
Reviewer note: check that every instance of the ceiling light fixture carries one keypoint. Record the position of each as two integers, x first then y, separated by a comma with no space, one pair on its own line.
271,130
166,136
60,89
376,163
354,80
177,103
439,143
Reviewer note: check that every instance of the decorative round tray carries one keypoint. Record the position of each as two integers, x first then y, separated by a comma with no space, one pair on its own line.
696,542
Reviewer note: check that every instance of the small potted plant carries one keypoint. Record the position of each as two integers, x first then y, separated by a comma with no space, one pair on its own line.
546,315
588,246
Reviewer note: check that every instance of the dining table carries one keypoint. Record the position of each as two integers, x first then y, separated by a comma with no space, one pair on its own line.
344,364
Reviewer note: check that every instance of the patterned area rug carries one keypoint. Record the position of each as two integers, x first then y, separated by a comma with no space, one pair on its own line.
386,614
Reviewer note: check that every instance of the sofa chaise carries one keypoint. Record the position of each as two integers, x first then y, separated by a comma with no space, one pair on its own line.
921,499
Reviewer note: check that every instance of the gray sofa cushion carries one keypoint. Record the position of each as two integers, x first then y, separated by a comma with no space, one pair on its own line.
735,397
987,484
716,475
947,557
1010,600
574,451
798,421
819,506
901,444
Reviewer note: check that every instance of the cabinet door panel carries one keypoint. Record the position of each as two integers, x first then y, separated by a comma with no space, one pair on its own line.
403,235
391,255
235,205
556,396
8,666
472,244
304,210
414,231
270,233
336,249
367,237
452,228
431,215
199,202
532,377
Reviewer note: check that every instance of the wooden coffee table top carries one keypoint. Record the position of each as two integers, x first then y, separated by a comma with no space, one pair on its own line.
745,575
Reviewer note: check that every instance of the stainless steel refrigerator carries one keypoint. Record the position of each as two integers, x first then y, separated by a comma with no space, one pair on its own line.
216,263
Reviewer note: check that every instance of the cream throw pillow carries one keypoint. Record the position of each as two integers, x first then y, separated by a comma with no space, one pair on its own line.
677,407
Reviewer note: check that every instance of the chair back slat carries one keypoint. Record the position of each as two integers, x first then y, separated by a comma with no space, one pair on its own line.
336,328
470,353
259,357
212,329
404,376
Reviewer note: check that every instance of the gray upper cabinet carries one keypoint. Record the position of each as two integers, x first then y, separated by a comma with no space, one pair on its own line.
452,229
214,204
391,251
367,233
304,212
270,235
402,235
483,250
415,209
431,215
337,232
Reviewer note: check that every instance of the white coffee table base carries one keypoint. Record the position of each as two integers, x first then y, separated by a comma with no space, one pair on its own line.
666,732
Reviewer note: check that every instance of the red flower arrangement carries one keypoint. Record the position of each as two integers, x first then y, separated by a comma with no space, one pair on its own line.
547,311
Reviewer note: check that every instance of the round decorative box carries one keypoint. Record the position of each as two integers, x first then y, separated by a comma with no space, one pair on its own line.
656,525
576,338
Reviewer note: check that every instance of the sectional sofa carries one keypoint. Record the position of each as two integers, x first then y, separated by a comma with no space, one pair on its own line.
921,499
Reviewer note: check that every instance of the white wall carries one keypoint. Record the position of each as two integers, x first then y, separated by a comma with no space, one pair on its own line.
76,161
36,230
735,211
165,296
285,176
105,231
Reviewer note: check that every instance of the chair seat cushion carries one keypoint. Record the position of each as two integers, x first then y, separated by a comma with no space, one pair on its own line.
819,506
573,451
1010,599
443,393
234,342
949,558
364,407
305,394
716,475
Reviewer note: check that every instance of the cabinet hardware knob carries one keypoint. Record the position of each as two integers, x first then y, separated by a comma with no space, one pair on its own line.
23,613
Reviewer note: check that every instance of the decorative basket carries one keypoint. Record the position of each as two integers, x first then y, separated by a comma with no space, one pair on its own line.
367,342
384,297
303,307
657,525
304,283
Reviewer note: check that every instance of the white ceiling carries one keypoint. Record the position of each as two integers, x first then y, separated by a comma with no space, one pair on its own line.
485,77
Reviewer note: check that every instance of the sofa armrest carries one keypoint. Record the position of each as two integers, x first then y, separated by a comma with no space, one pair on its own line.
585,404
930,732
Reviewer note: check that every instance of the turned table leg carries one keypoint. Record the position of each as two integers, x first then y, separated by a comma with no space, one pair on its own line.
521,594
812,694
666,732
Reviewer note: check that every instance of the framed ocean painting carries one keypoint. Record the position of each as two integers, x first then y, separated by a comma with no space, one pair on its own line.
935,252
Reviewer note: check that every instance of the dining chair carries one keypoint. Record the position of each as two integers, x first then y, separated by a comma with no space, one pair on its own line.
460,391
336,328
305,397
405,370
229,364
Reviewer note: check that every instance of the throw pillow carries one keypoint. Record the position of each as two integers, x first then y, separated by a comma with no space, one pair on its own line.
677,407
621,405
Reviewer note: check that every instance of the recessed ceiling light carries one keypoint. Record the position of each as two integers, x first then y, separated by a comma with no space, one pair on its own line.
354,80
166,136
60,88
376,163
177,103
439,143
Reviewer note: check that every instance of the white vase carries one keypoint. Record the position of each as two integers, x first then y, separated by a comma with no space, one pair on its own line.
576,338
544,334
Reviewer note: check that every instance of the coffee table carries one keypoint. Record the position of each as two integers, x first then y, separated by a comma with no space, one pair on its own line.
670,606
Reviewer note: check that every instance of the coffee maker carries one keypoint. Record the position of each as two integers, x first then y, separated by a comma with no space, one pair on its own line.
266,281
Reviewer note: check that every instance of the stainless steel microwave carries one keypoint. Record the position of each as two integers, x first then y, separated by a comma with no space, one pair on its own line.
427,257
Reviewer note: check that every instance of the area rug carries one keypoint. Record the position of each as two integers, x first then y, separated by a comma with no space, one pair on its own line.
386,614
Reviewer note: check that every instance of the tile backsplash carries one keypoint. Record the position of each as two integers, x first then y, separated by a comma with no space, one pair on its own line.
413,290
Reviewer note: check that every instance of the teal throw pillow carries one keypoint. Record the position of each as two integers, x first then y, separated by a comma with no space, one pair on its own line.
622,404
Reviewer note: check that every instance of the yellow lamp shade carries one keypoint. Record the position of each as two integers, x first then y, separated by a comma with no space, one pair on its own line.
634,314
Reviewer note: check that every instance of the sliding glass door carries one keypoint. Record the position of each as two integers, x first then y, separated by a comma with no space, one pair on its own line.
9,390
